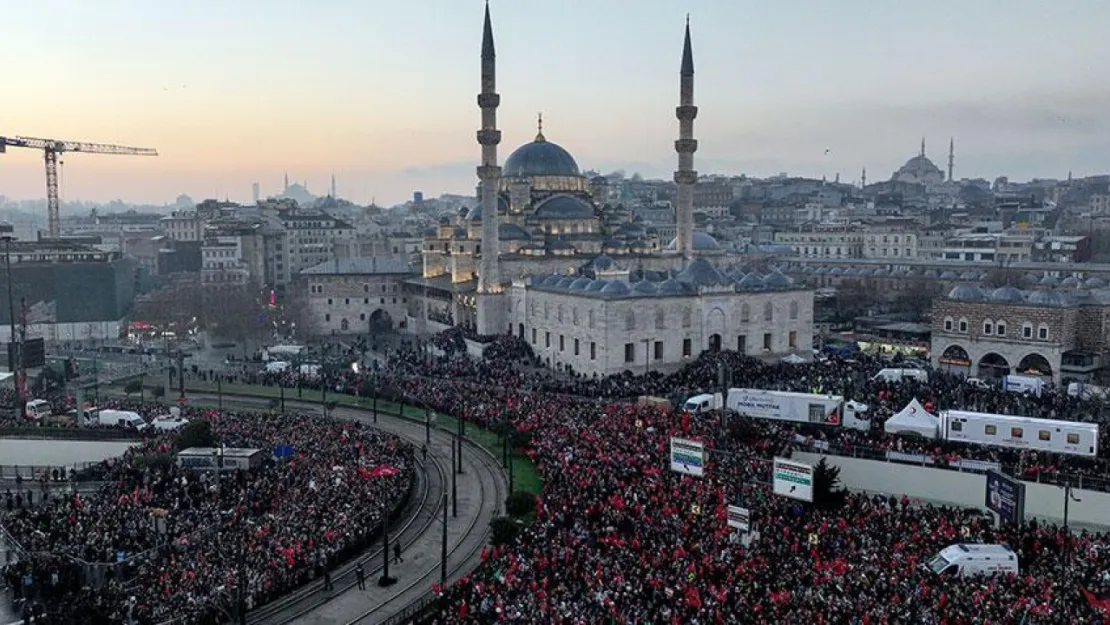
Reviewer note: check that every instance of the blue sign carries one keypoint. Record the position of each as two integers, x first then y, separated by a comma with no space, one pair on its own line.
121,556
1005,497
283,451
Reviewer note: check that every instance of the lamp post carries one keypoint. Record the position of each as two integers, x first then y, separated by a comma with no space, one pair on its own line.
1065,564
647,356
443,548
7,233
454,480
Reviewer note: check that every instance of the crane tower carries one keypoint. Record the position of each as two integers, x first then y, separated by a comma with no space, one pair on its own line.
51,148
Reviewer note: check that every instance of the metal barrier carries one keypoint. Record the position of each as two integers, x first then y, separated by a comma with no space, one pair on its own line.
32,474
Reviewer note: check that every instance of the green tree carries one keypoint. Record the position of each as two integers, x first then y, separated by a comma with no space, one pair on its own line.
132,387
520,504
196,433
503,530
827,492
157,392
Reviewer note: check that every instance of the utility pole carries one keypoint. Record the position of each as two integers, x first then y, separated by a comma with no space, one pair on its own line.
219,392
374,389
180,373
427,424
454,481
385,580
443,548
242,601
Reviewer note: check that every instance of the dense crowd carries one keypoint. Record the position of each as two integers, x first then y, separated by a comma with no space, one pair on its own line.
159,542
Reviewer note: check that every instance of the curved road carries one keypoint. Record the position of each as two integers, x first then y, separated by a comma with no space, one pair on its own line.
482,489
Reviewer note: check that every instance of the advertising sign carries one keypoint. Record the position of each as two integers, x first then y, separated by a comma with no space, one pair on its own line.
1005,497
739,518
687,456
793,479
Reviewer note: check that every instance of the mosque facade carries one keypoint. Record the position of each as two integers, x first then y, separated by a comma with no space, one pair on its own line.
547,224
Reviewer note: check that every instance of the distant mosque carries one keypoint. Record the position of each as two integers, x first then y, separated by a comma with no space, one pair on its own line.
297,192
920,170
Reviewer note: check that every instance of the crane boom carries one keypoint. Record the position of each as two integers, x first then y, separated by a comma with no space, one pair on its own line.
51,148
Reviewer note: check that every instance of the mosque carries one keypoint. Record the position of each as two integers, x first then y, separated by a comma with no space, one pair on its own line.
920,170
567,262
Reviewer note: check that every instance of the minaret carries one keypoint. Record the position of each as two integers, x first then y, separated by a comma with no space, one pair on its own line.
286,187
923,146
951,156
333,186
686,145
489,173
863,179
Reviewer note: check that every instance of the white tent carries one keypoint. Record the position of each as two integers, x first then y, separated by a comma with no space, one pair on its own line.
914,419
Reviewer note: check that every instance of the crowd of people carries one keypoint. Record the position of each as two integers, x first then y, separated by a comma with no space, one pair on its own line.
161,543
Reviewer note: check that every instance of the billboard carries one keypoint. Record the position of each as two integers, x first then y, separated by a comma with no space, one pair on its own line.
792,479
33,354
740,518
1005,497
687,456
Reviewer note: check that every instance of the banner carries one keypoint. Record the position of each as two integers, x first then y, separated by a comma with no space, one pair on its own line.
687,456
897,456
978,466
1005,496
793,479
739,518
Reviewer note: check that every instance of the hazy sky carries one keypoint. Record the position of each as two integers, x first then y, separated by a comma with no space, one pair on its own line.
383,92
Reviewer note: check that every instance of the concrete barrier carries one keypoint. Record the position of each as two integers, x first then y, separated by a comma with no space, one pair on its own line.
1042,501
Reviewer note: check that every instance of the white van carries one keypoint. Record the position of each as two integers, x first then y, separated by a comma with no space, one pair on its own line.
897,375
703,403
122,418
38,409
1081,390
1023,384
962,560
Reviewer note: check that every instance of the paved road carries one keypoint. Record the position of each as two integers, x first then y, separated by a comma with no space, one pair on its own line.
482,489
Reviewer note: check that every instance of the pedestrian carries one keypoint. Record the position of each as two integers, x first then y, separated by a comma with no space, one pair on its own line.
397,559
327,580
424,451
360,575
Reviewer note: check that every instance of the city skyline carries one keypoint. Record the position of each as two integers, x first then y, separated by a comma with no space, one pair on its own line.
384,96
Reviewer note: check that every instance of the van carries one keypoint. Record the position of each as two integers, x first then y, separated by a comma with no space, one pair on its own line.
703,403
122,418
1075,389
38,409
898,375
963,560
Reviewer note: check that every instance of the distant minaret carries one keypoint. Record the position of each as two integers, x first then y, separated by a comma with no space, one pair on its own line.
837,180
489,280
333,186
951,156
922,146
863,179
686,145
286,187
256,192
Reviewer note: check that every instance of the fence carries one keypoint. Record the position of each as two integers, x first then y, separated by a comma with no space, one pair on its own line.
31,474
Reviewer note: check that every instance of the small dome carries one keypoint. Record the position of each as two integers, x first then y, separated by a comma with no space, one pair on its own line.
851,271
1094,283
564,207
615,243
645,287
836,271
565,283
430,233
1007,294
949,275
1070,282
475,214
580,284
458,232
671,287
539,158
559,244
597,285
822,270
603,262
1043,298
1031,278
931,274
1050,281
616,287
702,243
970,276
444,220
751,282
512,232
599,180
701,273
965,293
881,272
776,280
866,272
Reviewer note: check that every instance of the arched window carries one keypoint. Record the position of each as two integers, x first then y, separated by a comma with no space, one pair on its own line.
963,325
949,323
745,313
988,327
768,312
793,310
344,325
1026,330
660,319
1000,327
1042,332
630,320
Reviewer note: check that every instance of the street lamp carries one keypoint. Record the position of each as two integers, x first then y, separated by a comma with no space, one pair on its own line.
7,232
1065,565
647,356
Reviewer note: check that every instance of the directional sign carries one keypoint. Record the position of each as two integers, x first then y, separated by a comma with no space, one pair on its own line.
793,479
687,456
740,518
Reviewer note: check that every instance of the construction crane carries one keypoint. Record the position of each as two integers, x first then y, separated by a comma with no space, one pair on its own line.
51,148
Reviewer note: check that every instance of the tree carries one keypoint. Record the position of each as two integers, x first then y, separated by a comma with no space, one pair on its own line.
827,492
196,433
133,386
503,530
520,504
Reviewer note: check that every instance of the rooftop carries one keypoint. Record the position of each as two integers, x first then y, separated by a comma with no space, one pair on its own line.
359,267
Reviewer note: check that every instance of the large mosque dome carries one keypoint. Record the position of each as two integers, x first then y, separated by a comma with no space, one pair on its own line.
920,166
539,158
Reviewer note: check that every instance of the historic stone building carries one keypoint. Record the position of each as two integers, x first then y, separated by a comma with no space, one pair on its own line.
1061,334
354,295
610,320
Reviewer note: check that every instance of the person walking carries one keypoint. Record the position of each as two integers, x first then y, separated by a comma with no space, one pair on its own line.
327,580
397,559
360,575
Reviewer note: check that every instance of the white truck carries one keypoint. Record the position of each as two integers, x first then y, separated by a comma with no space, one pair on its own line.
120,418
831,410
703,403
899,375
962,560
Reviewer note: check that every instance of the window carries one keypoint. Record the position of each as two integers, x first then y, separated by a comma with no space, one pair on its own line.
327,317
963,326
533,336
562,343
547,339
1000,328
660,319
687,348
745,313
687,318
988,327
630,320
329,301
574,315
990,430
768,312
793,339
948,324
1026,330
590,317
958,426
1042,332
742,344
559,313
362,316
381,300
767,341
546,311
630,352
1016,432
593,351
575,347
1073,438
659,350
1044,435
793,310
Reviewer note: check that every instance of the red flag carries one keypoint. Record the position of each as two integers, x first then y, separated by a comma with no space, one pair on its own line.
384,470
1096,603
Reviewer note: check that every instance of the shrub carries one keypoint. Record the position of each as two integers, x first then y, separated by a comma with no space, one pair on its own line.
196,433
520,504
503,530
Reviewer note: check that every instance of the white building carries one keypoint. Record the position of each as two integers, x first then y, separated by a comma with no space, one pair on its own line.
355,295
606,324
183,225
313,237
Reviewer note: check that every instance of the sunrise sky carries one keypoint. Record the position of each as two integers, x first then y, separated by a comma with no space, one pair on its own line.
383,93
